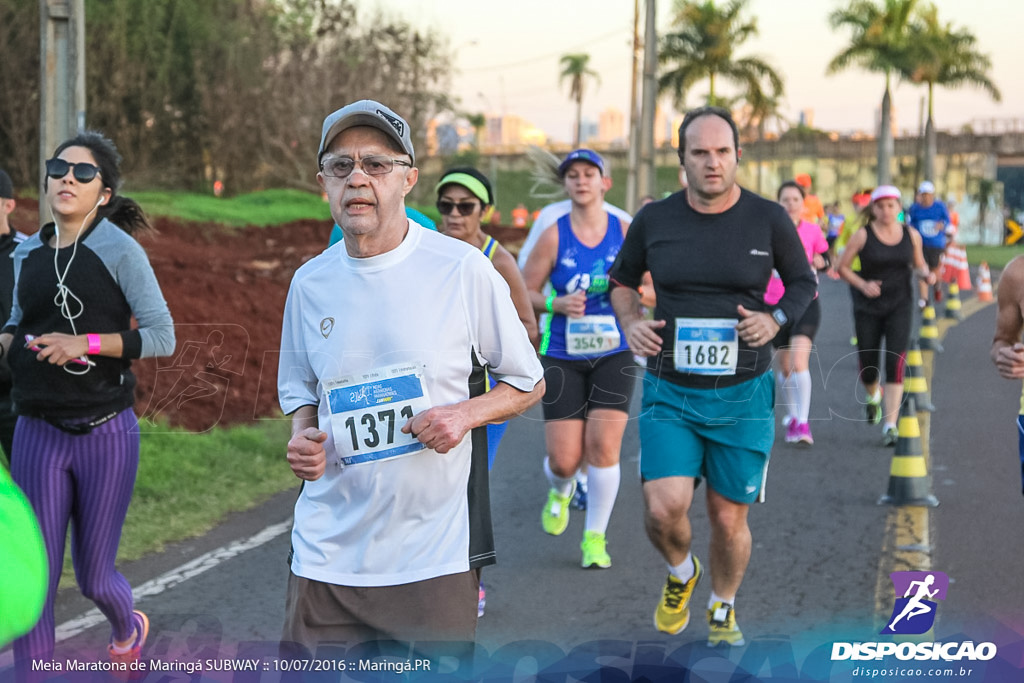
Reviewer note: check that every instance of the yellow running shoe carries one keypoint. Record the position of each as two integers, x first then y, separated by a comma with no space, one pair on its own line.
595,551
722,628
673,613
555,515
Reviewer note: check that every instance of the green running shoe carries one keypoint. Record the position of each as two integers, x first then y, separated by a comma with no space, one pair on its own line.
595,551
555,515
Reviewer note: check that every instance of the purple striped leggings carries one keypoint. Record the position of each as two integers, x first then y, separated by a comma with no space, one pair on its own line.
87,480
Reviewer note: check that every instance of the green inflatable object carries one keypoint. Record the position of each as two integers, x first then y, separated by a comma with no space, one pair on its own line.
25,574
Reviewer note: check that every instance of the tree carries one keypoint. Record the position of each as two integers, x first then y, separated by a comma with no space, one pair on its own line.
701,46
576,69
761,107
19,92
878,44
940,54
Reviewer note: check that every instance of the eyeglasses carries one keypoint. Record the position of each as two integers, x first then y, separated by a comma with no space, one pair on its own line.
84,172
446,207
342,167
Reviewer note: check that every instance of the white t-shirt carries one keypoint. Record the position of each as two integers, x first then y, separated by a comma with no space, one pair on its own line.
548,216
433,308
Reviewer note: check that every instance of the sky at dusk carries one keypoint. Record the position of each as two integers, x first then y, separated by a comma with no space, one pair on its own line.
507,58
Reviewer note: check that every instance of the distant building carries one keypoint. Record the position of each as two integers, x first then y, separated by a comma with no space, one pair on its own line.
611,127
511,132
589,132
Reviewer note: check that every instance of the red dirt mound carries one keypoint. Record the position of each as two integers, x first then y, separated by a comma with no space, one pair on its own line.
226,289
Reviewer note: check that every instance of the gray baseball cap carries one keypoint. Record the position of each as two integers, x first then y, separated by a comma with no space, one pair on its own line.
366,113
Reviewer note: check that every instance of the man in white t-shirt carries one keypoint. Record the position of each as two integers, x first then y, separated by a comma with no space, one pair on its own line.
385,339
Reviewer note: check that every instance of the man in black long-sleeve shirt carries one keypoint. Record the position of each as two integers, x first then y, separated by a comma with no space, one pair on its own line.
709,393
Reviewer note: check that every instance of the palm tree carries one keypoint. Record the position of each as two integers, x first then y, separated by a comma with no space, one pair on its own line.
761,106
879,44
943,55
702,45
576,69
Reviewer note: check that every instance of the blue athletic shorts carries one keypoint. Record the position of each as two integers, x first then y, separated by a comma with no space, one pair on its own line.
723,435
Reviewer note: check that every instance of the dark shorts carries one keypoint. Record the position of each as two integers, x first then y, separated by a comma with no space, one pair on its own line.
933,256
806,326
575,387
438,609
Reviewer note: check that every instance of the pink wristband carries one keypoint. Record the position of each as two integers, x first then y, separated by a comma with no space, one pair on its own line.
94,344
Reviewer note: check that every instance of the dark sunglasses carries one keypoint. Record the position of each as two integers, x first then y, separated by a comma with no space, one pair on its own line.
446,206
83,172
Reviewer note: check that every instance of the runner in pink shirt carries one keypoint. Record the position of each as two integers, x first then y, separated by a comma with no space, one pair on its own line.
794,343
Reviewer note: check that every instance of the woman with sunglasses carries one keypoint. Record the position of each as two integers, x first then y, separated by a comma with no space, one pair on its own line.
464,197
587,363
69,342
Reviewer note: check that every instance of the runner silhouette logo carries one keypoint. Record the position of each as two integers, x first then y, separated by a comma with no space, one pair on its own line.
916,593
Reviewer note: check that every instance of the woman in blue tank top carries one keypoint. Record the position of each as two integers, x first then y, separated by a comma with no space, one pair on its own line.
587,364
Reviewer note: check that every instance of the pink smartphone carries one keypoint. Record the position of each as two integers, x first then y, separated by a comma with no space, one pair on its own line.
29,338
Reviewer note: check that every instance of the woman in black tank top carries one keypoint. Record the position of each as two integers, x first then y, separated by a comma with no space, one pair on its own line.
883,299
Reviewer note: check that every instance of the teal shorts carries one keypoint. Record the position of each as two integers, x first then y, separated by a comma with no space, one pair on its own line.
723,435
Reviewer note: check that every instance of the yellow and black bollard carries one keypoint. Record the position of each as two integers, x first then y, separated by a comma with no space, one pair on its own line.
908,476
954,308
914,382
929,333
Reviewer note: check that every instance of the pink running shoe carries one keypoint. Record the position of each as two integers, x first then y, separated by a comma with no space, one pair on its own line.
803,434
792,432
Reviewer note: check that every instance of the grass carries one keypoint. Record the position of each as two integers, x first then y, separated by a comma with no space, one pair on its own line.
269,207
188,482
995,257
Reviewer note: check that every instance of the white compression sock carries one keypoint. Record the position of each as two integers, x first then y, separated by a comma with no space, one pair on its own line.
787,392
561,484
602,489
802,380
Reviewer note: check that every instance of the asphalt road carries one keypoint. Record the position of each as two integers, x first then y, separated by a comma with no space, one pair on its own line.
820,544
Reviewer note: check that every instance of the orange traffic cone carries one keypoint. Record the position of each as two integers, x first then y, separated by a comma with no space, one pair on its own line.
984,283
964,279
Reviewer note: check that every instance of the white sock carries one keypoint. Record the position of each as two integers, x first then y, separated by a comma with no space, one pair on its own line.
561,484
685,570
784,389
715,597
887,426
581,477
602,488
802,380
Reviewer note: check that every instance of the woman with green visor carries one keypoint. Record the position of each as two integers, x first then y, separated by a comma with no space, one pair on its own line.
464,197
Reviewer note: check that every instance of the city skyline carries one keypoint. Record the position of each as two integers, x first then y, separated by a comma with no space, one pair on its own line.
515,70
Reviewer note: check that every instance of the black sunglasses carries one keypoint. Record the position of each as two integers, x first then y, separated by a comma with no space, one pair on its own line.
84,172
446,206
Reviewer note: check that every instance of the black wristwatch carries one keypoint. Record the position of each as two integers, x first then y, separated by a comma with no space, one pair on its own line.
780,317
